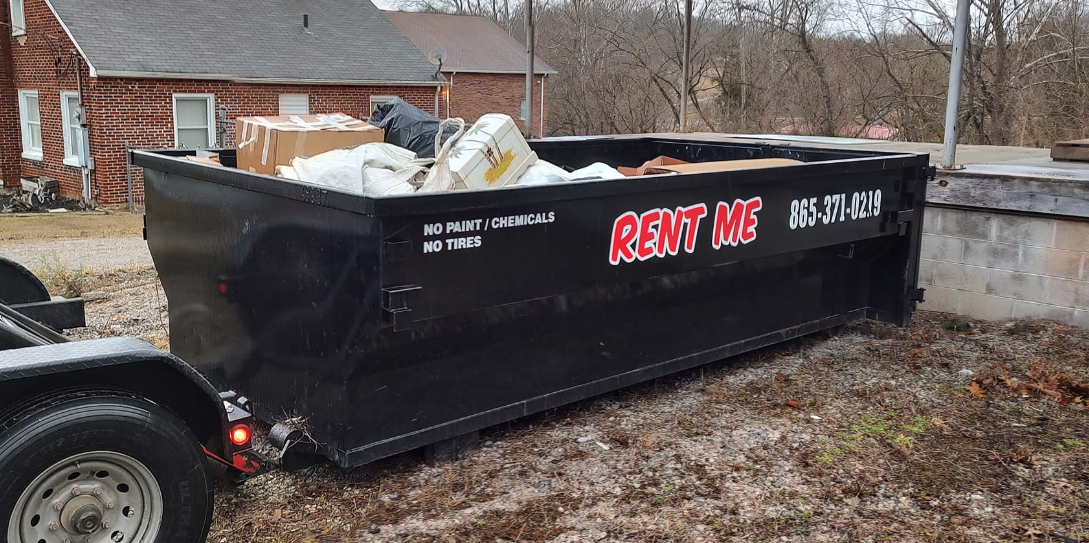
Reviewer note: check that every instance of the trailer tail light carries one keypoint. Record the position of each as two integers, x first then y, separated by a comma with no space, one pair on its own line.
240,435
224,288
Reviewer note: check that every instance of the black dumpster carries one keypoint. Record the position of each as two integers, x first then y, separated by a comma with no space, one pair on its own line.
392,323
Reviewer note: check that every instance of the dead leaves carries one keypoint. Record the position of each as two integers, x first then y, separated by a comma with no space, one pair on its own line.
1038,382
793,404
977,387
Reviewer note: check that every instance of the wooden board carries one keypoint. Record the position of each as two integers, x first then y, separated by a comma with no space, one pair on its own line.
1076,150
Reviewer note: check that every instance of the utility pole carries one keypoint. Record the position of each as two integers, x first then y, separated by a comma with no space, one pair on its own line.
956,74
529,68
685,61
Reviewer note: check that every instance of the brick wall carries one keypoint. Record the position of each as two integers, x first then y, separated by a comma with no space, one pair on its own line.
999,266
140,111
474,94
41,60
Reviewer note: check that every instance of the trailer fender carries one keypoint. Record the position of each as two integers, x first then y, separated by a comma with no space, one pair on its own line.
126,364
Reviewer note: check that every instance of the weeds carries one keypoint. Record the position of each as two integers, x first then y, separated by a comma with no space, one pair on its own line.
60,278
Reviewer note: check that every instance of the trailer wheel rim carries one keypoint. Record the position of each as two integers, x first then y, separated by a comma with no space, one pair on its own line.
92,497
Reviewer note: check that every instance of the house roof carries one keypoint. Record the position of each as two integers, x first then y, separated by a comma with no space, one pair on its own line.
473,44
350,41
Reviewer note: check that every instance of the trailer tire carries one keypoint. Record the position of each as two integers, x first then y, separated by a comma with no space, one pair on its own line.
102,467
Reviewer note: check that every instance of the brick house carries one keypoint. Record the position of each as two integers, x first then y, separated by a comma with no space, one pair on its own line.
485,66
174,73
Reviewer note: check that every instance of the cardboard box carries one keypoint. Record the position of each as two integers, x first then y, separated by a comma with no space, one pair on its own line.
267,142
723,165
642,170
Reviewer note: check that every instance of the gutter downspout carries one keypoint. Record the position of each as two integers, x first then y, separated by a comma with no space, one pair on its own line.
450,93
540,133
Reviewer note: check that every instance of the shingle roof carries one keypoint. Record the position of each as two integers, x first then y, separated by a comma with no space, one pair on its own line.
349,40
473,44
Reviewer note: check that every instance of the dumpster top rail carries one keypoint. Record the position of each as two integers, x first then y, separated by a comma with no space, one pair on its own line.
628,150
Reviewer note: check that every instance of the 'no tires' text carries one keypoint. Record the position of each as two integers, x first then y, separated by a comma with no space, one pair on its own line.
665,232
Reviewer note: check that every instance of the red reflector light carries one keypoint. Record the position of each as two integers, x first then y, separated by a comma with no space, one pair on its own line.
223,288
240,435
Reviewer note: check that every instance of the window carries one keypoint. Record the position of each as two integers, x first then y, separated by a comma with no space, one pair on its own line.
73,132
294,104
522,110
18,18
194,121
379,100
30,122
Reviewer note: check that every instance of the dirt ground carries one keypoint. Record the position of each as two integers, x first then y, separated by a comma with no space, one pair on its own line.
75,225
948,430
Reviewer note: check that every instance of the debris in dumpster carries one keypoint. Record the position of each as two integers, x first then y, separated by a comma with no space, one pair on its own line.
597,170
543,172
439,178
642,170
721,166
410,127
212,160
267,142
287,172
371,169
491,154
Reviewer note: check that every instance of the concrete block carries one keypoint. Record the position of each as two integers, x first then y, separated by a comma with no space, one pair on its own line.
983,306
988,254
1024,230
967,224
1081,318
942,248
1072,235
945,300
960,277
1067,293
1017,285
932,219
1052,262
926,272
1032,310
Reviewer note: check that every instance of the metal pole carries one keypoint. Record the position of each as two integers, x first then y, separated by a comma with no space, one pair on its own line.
956,73
83,152
529,68
128,174
685,63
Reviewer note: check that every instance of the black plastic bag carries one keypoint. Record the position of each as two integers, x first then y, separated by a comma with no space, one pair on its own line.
409,126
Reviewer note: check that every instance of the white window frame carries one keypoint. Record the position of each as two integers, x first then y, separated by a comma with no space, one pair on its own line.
71,148
281,104
29,151
18,18
211,98
380,98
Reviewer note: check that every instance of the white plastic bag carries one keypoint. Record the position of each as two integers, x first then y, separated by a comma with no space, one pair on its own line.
597,170
372,169
439,178
543,172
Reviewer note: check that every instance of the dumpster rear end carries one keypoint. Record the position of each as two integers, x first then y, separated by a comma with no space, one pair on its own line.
392,323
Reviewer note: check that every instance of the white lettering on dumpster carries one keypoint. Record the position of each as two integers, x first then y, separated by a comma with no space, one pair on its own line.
476,225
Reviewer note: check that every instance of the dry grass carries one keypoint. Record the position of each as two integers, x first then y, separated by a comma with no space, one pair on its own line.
56,226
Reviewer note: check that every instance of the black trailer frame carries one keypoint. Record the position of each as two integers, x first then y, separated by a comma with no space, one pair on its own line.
393,323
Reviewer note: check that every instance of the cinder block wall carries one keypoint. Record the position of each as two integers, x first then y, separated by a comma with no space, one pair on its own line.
998,266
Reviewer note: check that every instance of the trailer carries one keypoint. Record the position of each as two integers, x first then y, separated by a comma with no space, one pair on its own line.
358,328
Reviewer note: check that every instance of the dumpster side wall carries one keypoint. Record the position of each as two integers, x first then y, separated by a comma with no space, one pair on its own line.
989,265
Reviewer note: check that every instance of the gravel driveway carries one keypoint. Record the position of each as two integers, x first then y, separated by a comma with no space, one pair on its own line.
93,254
945,431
